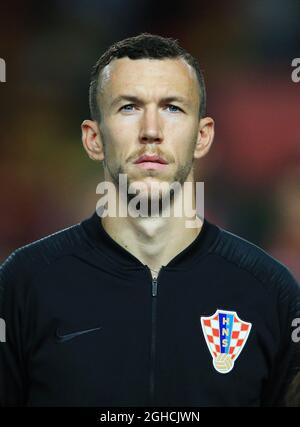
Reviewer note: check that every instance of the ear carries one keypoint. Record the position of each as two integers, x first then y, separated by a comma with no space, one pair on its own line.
205,137
91,140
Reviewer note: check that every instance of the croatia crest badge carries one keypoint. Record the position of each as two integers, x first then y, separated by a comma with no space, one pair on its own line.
225,334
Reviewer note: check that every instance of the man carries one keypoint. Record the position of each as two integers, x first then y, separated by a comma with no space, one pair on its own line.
144,310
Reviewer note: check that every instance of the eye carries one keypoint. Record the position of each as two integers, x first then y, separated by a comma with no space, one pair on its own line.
174,107
125,107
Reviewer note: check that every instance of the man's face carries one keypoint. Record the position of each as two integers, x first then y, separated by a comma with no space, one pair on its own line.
149,107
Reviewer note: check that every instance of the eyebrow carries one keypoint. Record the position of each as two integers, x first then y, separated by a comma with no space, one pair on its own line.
137,100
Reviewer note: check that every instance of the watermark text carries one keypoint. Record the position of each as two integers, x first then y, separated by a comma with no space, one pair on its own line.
2,70
296,72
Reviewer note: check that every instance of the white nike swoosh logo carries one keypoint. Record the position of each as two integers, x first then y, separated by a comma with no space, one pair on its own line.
67,337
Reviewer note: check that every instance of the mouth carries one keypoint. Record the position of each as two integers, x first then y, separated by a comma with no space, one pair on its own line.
151,162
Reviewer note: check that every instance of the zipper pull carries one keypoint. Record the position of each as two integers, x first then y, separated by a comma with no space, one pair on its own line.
154,286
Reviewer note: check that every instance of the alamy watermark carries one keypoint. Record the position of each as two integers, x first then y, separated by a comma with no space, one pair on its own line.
155,199
296,72
296,331
2,70
2,330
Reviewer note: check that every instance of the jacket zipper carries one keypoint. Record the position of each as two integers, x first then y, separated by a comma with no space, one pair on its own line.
153,334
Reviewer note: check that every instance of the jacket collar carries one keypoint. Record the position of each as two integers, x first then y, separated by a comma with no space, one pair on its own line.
100,239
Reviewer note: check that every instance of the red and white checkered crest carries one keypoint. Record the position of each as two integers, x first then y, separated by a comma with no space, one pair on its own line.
225,334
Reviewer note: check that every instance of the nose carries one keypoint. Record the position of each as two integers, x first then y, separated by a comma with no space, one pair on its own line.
150,130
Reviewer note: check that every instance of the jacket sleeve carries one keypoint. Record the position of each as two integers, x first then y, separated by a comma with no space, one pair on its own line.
12,363
287,360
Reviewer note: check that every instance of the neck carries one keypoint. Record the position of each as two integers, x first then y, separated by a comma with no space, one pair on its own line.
155,240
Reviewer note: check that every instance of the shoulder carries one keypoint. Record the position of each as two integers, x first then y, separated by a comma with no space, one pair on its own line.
262,266
37,255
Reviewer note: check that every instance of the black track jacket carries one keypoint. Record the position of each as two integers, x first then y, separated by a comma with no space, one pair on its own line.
86,325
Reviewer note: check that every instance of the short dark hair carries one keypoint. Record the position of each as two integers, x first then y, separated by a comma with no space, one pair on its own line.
143,46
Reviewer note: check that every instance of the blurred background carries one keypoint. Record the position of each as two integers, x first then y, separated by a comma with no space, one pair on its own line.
245,48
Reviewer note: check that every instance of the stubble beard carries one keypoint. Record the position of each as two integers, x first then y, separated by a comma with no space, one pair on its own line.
180,176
